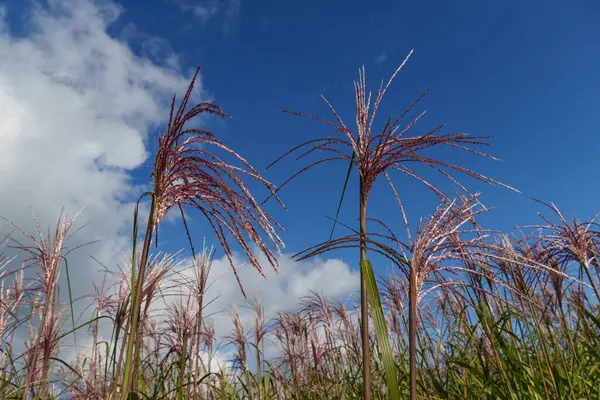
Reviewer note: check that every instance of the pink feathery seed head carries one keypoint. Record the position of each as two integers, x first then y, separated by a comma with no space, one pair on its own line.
181,321
259,319
375,151
47,251
568,242
102,302
238,338
553,248
209,335
395,290
566,245
440,242
318,305
187,174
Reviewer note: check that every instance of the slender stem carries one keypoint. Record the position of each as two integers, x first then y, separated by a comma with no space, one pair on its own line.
121,354
586,269
363,297
182,365
198,339
257,357
137,299
412,330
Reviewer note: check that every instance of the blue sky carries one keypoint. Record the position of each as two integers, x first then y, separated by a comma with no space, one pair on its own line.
524,72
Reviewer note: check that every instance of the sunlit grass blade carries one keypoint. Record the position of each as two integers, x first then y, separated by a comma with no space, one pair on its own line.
381,332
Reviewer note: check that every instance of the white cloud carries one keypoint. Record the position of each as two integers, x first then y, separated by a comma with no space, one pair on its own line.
381,58
205,10
232,16
282,291
155,49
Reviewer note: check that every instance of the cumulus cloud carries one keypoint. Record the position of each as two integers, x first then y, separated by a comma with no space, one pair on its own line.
203,10
76,109
284,290
381,58
228,11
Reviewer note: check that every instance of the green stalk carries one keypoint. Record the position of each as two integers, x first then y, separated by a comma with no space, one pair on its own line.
136,303
118,321
257,359
70,300
182,365
412,330
364,307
